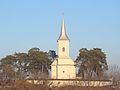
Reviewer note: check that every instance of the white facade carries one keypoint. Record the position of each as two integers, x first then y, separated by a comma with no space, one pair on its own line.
63,67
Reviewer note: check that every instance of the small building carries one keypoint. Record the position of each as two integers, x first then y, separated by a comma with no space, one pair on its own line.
63,67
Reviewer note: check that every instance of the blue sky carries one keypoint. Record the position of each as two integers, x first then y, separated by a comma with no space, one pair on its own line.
36,23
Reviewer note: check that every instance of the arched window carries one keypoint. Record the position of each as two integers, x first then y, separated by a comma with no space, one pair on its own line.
63,49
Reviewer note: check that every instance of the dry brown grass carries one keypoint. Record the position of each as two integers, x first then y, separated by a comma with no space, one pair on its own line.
23,85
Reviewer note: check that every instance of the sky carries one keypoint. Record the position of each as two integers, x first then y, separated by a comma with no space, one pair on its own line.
25,24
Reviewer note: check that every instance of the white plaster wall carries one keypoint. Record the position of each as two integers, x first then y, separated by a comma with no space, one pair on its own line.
65,44
63,72
66,72
67,61
53,68
63,69
64,66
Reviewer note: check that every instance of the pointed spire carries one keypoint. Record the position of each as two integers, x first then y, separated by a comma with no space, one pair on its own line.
63,35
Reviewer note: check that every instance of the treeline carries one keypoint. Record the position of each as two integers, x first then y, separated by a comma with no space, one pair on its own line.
34,64
92,65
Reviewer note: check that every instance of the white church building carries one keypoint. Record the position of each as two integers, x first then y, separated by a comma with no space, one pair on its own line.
63,67
63,70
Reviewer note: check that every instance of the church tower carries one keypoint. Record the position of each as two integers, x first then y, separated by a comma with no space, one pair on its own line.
63,67
63,42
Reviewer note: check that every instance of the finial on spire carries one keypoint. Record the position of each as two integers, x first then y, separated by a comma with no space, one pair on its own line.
63,35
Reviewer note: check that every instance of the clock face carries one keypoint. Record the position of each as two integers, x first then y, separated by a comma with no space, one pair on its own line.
63,49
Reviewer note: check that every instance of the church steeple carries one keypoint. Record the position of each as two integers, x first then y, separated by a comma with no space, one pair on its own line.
63,35
63,42
63,67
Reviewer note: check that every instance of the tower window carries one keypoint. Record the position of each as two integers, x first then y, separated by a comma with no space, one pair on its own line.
63,49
